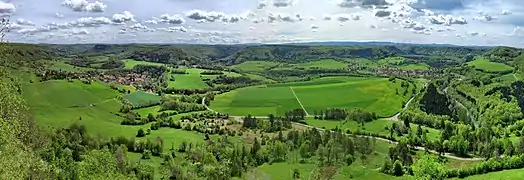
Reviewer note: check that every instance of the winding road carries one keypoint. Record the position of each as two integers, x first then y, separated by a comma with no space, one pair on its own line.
393,118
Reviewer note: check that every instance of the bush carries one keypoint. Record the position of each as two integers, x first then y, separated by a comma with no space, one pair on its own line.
146,154
140,133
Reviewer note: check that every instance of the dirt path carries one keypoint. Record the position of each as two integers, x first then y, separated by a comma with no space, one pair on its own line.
307,114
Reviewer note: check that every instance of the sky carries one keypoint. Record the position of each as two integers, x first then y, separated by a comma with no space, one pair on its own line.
461,22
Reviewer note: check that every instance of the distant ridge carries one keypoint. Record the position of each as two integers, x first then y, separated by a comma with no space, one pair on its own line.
356,43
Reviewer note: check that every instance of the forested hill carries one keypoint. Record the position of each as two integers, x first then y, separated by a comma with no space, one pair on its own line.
235,54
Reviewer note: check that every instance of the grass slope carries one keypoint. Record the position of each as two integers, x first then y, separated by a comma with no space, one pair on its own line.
374,94
254,66
140,98
130,63
486,65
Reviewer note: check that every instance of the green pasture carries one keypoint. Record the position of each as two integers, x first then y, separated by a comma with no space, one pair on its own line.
60,103
418,66
486,65
130,63
322,64
62,66
194,78
374,94
254,66
392,60
140,97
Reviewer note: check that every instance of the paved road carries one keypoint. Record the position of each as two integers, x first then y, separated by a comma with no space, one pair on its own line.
447,155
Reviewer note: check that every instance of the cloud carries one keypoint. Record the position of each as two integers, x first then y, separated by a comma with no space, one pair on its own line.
7,8
283,3
80,32
171,19
446,20
361,3
174,29
483,16
283,17
24,22
84,6
212,16
123,17
382,13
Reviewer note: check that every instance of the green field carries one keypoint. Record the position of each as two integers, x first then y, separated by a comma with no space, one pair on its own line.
486,65
418,66
62,66
140,97
322,64
130,63
254,66
192,80
60,103
374,94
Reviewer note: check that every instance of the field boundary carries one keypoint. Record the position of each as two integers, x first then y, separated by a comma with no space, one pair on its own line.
296,97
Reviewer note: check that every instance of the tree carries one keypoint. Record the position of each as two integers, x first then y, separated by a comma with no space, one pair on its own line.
304,149
520,149
428,167
140,133
296,174
397,168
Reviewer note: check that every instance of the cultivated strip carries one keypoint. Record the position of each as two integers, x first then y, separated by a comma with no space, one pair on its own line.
307,114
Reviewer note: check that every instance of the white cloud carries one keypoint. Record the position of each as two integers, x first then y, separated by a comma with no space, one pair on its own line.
382,13
360,3
24,22
84,6
171,19
283,3
80,32
174,29
446,20
505,12
7,8
59,15
123,17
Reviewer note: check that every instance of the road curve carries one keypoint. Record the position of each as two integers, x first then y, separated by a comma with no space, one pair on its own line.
447,155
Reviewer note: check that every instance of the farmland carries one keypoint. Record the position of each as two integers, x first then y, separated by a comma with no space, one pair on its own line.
374,94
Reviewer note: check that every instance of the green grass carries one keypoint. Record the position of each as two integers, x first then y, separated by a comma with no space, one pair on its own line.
501,175
357,170
140,97
254,66
60,103
322,64
62,66
418,66
486,65
392,60
193,80
374,94
188,81
130,63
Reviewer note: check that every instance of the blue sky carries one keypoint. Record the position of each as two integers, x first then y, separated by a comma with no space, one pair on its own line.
463,22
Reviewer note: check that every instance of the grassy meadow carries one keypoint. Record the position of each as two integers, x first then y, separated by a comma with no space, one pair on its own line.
374,94
130,63
140,97
488,66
